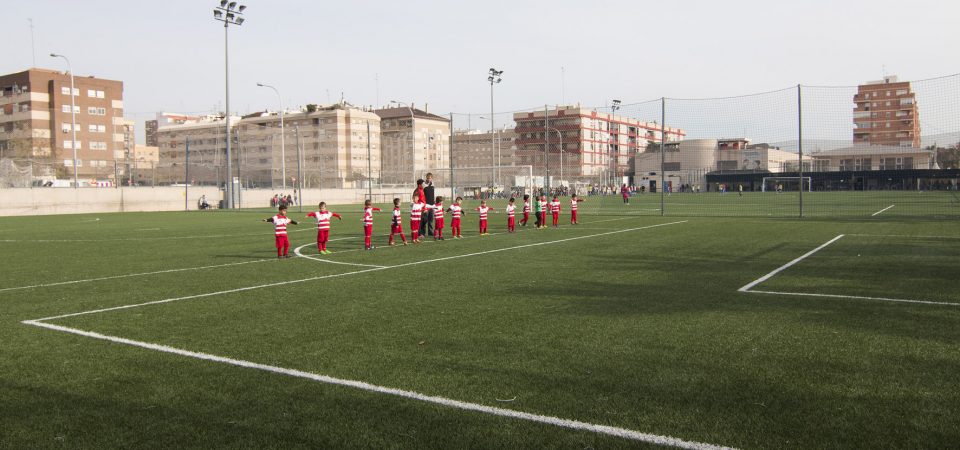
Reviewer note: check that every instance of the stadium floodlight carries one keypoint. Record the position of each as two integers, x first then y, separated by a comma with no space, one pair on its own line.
494,77
73,117
229,14
283,155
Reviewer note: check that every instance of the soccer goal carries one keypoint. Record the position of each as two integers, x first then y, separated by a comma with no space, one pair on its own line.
483,181
786,184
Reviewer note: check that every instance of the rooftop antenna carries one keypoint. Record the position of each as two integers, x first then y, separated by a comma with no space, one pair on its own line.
376,79
33,45
563,85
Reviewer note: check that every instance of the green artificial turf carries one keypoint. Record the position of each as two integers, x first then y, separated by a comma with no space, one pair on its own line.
617,321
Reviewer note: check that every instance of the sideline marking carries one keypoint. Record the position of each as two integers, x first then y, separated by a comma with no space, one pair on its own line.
158,238
856,297
322,277
140,274
369,387
882,210
296,251
766,277
905,236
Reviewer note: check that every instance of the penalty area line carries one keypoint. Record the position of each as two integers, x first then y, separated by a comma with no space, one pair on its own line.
748,286
856,297
882,210
412,395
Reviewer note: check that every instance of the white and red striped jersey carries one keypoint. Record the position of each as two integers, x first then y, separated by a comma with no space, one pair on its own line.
526,207
416,210
280,224
368,216
438,211
323,218
483,211
555,207
511,210
573,204
455,211
396,215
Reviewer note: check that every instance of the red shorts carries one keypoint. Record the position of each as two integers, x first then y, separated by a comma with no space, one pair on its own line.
438,224
323,235
415,225
368,230
396,228
282,241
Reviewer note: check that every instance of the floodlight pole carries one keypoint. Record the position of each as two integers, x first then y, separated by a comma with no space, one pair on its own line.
228,14
452,192
663,144
800,143
73,118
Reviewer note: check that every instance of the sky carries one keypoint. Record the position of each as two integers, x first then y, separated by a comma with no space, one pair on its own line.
170,54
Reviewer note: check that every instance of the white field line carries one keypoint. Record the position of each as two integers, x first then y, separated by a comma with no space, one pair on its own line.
354,384
766,277
296,251
158,238
856,297
905,236
882,210
322,277
142,274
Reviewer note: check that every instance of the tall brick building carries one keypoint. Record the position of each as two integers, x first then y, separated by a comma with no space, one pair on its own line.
36,121
886,114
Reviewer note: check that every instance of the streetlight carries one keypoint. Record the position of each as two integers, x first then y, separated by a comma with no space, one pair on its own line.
561,151
73,118
614,106
230,14
413,139
494,78
283,155
499,146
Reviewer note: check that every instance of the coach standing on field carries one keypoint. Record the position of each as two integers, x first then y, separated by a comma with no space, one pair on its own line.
426,225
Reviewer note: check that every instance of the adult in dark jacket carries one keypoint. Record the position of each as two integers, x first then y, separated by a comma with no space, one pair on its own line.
426,224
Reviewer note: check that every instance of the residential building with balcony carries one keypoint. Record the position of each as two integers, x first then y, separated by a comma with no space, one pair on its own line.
406,157
886,113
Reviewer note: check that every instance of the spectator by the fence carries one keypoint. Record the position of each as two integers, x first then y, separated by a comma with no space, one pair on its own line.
426,188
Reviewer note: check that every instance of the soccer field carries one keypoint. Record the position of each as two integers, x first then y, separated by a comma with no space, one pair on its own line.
167,330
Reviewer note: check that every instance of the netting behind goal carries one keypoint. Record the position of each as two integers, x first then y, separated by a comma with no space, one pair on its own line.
785,184
484,182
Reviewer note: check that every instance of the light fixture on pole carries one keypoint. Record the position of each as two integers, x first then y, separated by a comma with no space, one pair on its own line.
614,106
283,154
230,14
494,77
73,117
413,139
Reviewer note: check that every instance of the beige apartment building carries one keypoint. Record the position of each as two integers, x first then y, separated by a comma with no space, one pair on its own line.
333,143
886,113
36,122
472,149
430,142
596,147
165,120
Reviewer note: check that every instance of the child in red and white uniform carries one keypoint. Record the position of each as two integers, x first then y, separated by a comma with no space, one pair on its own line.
483,209
555,210
280,222
544,206
416,212
396,225
455,211
368,210
323,226
438,218
574,200
511,212
526,210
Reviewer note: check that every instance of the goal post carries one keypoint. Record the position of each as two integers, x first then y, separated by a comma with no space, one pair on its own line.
483,181
786,184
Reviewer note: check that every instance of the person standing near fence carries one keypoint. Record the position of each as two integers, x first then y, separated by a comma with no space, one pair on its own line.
625,193
426,225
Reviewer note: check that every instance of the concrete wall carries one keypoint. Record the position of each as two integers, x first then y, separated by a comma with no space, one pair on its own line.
44,201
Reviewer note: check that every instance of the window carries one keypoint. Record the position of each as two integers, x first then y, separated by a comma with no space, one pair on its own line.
65,90
92,128
68,162
65,108
68,144
92,110
91,93
101,128
101,94
66,127
101,111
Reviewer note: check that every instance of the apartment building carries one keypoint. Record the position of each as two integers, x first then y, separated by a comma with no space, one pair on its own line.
596,147
886,113
164,120
473,148
427,134
36,121
333,144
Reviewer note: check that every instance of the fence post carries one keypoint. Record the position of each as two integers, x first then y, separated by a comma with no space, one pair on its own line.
800,143
452,192
186,176
663,142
